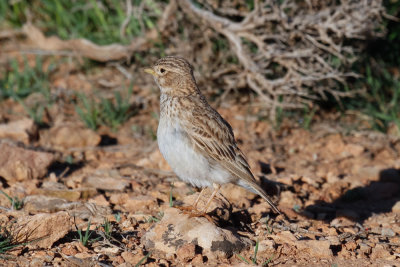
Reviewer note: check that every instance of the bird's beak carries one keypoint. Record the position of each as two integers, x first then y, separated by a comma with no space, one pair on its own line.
150,71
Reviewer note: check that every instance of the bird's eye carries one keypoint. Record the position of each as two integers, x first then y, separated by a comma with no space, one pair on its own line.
162,70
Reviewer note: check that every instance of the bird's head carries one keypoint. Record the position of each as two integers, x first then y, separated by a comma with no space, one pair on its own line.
174,76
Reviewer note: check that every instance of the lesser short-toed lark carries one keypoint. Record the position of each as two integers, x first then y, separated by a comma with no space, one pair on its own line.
196,141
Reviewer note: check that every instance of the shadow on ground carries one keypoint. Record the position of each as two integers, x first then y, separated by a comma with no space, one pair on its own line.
360,203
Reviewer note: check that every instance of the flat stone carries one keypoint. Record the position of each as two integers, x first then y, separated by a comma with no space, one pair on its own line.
388,232
186,252
18,164
140,203
106,183
39,203
21,130
68,194
43,229
379,252
85,210
316,248
177,229
70,135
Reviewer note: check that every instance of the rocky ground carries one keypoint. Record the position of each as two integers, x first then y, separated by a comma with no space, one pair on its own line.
108,198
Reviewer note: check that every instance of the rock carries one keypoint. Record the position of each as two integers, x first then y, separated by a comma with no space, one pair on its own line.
106,250
39,203
237,194
99,200
106,183
341,222
219,206
266,246
364,248
354,149
289,199
388,232
87,211
119,198
154,160
285,237
396,207
186,252
140,203
177,229
17,164
379,252
42,230
22,130
347,213
315,248
68,194
132,258
335,145
69,135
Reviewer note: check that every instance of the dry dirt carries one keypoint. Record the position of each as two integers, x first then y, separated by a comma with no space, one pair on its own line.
338,183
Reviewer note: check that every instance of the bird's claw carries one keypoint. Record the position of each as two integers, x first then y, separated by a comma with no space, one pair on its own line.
193,212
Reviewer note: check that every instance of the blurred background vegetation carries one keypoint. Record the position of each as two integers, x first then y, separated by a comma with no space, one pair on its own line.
375,89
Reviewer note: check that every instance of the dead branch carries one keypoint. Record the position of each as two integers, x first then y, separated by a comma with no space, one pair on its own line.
288,51
86,48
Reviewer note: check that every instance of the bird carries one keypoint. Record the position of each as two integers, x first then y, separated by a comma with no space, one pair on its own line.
197,143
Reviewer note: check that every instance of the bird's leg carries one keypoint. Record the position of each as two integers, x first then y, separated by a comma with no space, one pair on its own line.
198,198
195,213
216,188
194,205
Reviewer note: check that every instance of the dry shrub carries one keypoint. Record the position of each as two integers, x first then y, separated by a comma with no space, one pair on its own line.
290,53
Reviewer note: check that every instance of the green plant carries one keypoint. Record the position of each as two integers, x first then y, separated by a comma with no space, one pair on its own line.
13,236
85,238
108,112
89,111
19,84
107,228
296,208
8,240
254,259
116,112
269,229
242,258
156,218
117,217
35,112
308,115
97,20
379,66
142,260
265,263
16,204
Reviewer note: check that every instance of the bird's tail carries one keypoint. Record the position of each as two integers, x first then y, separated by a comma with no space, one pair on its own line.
254,187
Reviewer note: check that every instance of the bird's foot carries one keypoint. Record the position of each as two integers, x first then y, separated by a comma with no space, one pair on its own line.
186,209
193,212
201,214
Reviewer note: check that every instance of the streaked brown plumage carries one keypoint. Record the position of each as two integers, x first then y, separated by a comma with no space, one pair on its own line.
195,140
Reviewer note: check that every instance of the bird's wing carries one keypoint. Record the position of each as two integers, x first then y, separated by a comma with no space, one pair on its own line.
213,137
